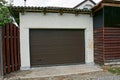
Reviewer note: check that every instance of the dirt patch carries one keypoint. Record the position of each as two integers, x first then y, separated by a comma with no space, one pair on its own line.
18,73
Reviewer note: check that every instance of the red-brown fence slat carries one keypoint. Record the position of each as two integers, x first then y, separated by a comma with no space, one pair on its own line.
15,47
18,47
11,45
4,49
8,49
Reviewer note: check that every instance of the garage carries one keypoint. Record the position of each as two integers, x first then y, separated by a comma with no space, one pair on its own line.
56,46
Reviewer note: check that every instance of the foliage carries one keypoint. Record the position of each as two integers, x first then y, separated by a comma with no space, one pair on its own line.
3,1
114,70
4,14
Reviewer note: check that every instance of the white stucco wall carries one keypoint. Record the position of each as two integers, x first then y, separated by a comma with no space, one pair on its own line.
54,21
87,2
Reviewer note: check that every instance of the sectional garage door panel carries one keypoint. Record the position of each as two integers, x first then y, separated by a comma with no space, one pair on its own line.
51,46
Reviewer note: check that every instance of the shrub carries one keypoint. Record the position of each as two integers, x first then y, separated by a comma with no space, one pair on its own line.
4,14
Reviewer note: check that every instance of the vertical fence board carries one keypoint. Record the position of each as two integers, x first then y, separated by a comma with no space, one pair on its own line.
4,48
18,49
8,49
15,52
11,45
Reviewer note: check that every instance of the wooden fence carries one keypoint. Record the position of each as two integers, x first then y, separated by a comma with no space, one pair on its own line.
10,48
107,45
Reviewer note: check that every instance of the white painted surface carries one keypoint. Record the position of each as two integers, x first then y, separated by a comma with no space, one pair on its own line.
54,21
24,43
84,4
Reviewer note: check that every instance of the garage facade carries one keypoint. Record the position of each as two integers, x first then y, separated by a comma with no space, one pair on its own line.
56,46
50,36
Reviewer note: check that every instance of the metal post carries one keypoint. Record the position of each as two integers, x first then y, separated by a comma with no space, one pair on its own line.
24,2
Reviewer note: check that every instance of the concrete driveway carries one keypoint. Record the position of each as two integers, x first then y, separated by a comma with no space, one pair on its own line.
66,72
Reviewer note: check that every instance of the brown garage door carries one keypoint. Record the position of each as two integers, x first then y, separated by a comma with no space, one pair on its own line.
52,46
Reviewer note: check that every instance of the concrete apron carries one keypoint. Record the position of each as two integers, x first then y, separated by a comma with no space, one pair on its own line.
43,72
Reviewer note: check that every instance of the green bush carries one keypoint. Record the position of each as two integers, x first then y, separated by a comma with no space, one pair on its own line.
4,14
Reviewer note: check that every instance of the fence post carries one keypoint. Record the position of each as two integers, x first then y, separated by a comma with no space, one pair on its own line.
1,56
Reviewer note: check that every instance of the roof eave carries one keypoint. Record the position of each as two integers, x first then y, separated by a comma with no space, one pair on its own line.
49,10
83,3
105,3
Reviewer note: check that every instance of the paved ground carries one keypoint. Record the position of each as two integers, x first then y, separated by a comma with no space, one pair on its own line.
71,72
86,76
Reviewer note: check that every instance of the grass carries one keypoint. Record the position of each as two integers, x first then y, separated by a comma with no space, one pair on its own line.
114,70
